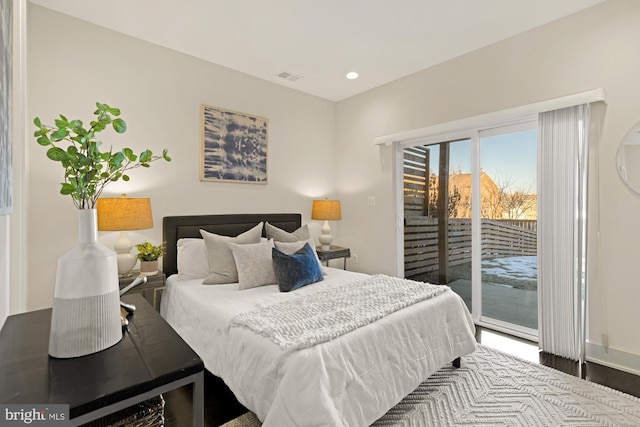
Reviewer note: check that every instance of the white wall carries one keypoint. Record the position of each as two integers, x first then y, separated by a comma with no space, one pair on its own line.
73,64
597,48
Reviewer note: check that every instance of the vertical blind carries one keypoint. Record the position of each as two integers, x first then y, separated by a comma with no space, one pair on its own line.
564,141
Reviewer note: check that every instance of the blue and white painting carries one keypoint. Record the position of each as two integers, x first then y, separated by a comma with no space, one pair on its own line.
234,146
6,188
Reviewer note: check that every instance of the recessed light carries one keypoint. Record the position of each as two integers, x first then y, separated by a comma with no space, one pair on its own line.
352,75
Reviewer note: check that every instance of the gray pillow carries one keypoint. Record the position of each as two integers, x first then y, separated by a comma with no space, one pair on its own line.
279,235
221,262
254,264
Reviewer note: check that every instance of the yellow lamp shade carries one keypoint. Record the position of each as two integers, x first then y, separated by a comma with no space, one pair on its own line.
123,213
327,210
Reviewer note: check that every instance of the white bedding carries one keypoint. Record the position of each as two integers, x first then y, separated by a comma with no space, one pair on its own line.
349,381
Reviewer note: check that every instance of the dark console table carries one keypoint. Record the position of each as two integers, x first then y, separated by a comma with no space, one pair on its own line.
149,360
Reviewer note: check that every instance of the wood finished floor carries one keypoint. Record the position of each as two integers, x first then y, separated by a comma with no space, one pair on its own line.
178,402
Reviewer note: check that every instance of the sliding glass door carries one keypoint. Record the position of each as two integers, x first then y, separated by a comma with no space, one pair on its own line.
470,221
508,200
437,214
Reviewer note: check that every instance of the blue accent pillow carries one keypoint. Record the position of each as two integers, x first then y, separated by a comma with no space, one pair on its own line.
296,270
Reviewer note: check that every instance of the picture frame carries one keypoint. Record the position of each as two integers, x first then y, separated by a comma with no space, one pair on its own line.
234,146
6,181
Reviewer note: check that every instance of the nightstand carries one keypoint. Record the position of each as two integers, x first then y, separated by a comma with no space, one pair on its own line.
334,252
150,359
151,291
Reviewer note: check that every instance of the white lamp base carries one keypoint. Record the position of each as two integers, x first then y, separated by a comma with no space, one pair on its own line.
126,260
325,238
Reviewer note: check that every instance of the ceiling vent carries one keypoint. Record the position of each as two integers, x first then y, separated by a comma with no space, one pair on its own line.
289,76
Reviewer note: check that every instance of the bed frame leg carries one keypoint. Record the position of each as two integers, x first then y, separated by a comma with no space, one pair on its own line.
456,362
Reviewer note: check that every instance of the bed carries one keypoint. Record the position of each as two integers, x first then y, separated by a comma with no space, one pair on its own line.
349,379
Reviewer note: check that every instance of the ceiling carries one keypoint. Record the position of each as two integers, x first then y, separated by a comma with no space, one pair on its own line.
322,40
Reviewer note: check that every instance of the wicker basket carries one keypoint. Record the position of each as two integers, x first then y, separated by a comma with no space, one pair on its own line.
149,413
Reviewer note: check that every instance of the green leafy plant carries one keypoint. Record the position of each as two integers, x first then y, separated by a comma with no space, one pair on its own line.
149,252
87,169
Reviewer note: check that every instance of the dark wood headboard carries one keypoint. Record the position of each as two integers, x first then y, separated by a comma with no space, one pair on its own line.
178,227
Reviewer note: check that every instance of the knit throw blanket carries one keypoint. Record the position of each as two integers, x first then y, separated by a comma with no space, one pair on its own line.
316,317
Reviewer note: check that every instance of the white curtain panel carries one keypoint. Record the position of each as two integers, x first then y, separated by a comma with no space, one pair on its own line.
597,112
568,142
562,163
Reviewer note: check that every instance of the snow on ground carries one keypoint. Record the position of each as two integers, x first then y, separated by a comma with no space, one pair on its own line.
517,267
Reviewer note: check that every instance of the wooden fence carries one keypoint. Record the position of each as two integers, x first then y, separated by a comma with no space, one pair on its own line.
499,238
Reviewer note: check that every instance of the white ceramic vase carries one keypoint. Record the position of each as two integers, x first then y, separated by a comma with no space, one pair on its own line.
86,305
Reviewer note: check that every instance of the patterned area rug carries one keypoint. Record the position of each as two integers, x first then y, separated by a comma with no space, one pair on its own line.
495,389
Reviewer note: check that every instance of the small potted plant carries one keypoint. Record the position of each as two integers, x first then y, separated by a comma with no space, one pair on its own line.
148,255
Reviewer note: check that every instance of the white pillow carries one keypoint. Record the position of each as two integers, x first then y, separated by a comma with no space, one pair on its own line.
223,267
254,264
279,235
192,259
293,247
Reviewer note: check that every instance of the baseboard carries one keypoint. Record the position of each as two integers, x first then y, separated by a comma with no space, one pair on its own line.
613,358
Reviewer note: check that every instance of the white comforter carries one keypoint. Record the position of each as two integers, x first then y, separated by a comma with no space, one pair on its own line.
349,381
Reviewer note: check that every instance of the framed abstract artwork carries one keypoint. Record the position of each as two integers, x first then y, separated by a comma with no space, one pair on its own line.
233,146
6,188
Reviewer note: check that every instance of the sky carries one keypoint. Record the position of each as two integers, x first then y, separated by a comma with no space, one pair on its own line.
509,157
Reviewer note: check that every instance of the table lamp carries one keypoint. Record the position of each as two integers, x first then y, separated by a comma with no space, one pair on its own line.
123,214
326,210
